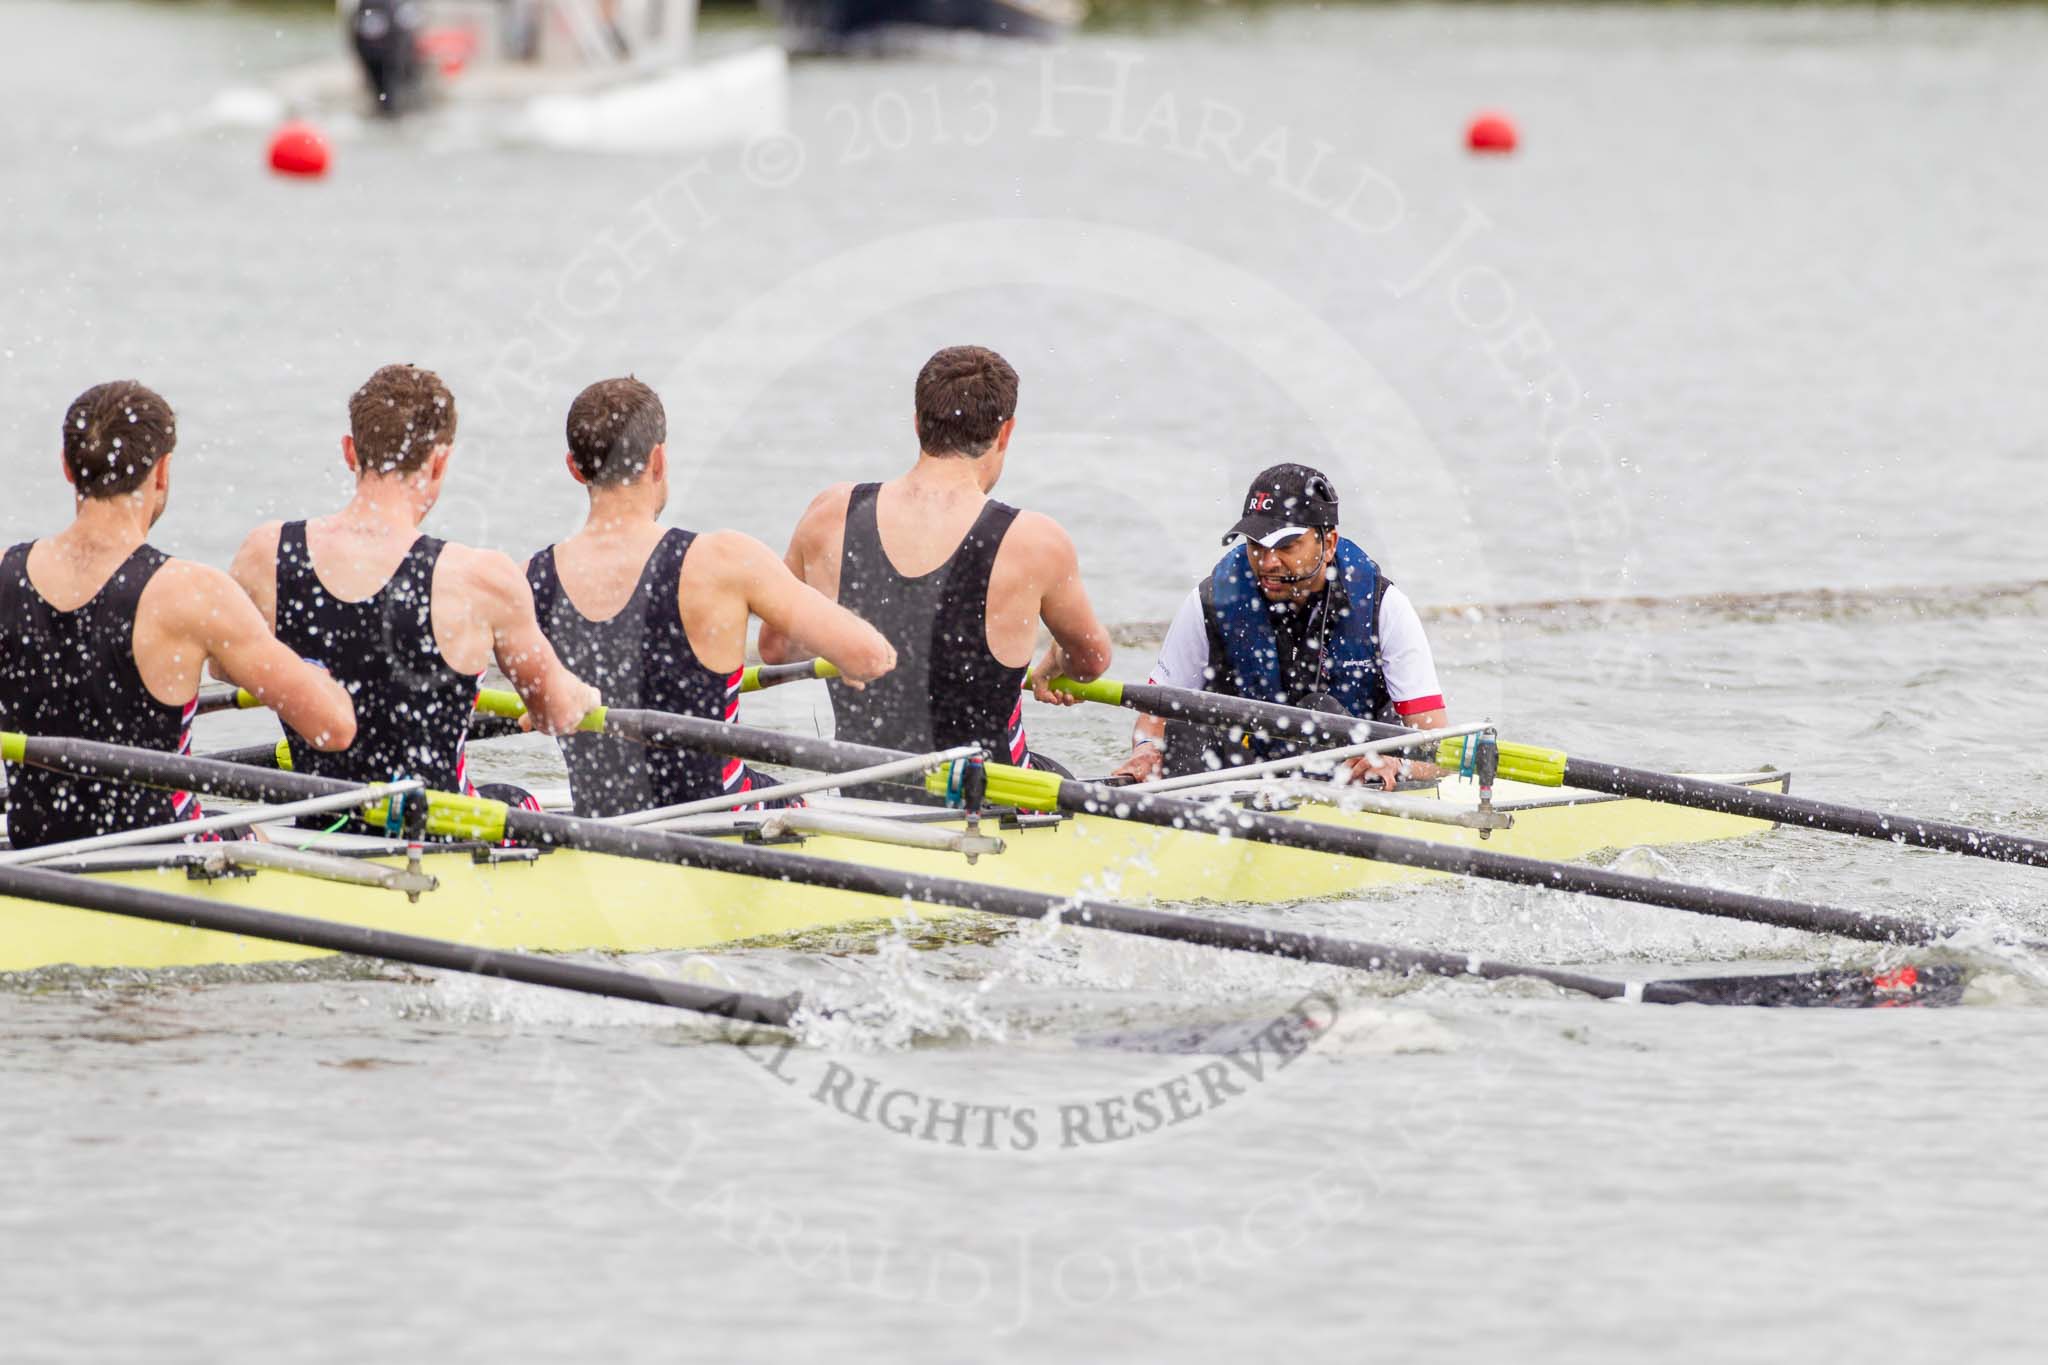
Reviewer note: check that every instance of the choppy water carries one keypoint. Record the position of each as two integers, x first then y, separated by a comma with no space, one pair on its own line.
1747,335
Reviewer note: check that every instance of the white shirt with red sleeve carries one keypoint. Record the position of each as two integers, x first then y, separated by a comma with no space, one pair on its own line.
1409,668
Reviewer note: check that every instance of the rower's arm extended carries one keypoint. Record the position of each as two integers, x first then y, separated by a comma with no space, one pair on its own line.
739,568
208,609
555,698
1081,647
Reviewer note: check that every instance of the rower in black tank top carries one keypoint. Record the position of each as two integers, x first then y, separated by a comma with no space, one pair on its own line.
946,689
72,675
412,709
640,657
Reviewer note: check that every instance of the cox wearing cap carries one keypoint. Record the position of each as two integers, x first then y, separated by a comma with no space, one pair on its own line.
1293,613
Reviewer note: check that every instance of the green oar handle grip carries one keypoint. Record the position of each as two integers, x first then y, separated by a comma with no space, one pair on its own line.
1539,767
1025,788
754,677
1102,690
224,697
495,701
454,817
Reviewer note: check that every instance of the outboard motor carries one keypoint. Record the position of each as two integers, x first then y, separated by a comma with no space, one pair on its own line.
386,35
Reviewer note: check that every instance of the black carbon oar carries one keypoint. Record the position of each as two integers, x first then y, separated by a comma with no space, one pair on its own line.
1043,791
1554,768
114,898
472,817
1036,790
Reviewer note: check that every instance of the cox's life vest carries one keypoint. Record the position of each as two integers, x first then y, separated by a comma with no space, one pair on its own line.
1245,649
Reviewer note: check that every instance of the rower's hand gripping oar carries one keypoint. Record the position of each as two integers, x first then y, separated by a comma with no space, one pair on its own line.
1553,768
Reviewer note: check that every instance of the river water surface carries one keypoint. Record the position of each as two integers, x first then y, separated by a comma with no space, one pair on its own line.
1708,428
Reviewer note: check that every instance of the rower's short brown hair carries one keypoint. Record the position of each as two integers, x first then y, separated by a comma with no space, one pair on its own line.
114,435
397,418
964,395
614,426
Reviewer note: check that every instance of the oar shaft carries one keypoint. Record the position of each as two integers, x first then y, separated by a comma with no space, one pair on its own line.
1764,804
274,755
1318,836
185,829
115,898
146,768
668,730
804,786
1323,730
661,729
689,851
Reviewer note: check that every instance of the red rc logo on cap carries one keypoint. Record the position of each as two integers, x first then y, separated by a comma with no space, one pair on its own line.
1259,502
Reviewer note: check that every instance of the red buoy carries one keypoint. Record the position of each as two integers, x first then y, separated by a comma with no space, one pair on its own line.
1491,133
298,149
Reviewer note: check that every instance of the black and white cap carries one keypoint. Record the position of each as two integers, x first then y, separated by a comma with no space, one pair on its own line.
1283,502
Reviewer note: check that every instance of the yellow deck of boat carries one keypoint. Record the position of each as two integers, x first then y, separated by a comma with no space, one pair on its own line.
571,901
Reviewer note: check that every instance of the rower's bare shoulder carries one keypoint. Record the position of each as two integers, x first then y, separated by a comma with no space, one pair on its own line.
265,536
484,586
1045,542
491,575
258,550
725,553
186,593
832,499
826,516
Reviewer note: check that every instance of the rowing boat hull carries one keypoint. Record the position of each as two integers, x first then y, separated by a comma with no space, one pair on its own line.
567,901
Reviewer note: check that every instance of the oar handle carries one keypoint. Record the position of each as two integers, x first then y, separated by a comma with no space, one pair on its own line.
224,698
496,701
1518,762
1102,690
754,677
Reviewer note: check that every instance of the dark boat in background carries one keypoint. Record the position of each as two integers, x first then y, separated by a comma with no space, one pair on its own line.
830,26
582,75
385,35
